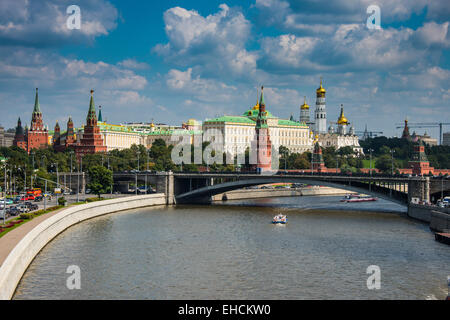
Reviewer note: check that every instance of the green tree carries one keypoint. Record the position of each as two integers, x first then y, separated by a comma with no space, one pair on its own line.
100,180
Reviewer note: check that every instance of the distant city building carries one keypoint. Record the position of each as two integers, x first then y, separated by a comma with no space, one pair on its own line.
36,136
192,124
425,138
6,137
446,139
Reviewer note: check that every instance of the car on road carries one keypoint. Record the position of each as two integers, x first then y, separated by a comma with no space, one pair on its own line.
22,208
31,206
27,198
8,201
13,211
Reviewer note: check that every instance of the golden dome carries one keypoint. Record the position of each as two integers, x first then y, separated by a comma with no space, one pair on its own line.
256,107
342,119
152,125
304,105
321,89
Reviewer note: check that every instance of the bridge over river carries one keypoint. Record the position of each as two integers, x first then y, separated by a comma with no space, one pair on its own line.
199,187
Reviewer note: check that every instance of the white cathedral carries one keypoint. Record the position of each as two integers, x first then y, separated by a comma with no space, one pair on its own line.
342,136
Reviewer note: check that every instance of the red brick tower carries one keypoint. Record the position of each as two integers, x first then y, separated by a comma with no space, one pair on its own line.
419,162
91,141
263,143
405,134
317,159
70,138
57,137
37,134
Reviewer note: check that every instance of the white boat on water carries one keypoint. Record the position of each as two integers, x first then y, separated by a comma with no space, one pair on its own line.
358,198
279,219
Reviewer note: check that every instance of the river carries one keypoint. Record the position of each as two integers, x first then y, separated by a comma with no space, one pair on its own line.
232,251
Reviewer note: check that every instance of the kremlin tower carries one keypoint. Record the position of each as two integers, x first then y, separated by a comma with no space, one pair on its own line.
19,137
320,114
262,142
92,141
36,136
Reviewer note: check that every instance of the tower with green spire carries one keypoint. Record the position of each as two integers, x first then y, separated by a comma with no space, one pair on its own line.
262,142
91,141
36,136
91,118
36,118
100,118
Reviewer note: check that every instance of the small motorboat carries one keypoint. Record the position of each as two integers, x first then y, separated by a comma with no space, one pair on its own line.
358,198
279,219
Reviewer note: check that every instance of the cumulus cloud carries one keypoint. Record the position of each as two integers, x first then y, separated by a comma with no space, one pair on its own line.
65,83
354,47
206,90
322,16
43,23
215,43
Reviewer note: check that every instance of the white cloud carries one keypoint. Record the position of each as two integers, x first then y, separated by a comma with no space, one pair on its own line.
215,43
43,23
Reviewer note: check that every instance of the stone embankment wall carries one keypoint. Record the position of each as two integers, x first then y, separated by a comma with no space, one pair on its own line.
18,260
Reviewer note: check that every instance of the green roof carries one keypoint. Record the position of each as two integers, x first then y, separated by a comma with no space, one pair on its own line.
283,122
254,114
170,132
236,119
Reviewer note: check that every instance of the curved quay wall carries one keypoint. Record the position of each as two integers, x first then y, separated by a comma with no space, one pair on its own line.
32,243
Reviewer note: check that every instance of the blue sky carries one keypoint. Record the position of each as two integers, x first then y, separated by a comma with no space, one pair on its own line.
174,60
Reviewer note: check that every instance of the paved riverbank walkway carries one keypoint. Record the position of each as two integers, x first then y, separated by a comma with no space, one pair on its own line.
12,238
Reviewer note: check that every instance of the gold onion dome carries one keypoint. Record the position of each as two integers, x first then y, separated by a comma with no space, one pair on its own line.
256,107
342,119
304,105
321,89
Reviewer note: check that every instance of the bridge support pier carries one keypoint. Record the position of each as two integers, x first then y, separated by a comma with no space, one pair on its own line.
419,189
165,184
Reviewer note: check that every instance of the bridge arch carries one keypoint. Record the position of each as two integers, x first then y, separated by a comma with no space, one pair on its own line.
204,194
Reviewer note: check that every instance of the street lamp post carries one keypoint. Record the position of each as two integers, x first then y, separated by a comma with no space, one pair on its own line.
370,183
57,179
4,196
392,162
70,178
78,184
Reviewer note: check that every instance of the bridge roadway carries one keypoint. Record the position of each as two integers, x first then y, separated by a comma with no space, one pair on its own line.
392,188
194,187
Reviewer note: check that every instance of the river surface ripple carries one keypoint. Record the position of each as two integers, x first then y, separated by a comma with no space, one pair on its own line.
232,251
